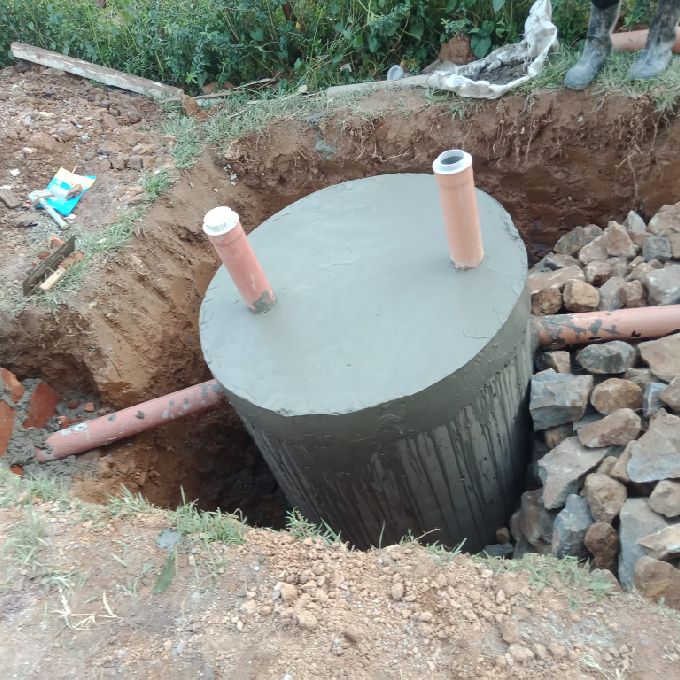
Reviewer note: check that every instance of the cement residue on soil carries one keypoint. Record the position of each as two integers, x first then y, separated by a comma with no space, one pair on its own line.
25,442
500,75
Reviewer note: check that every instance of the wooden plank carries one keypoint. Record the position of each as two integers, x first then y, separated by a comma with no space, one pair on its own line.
100,74
48,266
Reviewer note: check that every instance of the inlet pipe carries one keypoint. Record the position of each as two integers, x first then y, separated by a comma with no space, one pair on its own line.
91,434
633,41
223,228
622,324
453,172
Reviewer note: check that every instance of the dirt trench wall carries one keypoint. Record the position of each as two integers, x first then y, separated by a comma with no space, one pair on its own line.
132,334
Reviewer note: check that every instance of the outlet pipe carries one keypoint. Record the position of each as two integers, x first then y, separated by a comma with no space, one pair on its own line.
223,228
622,324
91,434
453,172
633,41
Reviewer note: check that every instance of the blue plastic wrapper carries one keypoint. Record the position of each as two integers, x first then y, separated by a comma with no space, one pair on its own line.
61,184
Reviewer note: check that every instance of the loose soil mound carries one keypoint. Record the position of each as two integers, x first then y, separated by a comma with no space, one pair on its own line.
98,597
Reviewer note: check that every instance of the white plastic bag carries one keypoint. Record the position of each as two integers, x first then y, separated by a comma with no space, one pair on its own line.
514,64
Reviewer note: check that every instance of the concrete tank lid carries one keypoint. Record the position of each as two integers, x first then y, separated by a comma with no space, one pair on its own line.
370,307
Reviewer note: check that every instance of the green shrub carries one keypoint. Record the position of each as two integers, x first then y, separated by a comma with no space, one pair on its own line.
193,42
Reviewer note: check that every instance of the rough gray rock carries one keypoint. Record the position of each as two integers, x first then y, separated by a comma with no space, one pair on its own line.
662,356
499,550
619,470
616,429
580,296
605,496
666,221
636,228
558,398
639,376
546,301
665,499
612,294
658,581
671,395
609,358
598,272
558,361
540,280
637,520
633,295
554,436
663,544
595,250
617,242
663,285
656,248
554,261
570,527
651,398
532,523
656,455
619,266
614,394
574,240
602,541
562,469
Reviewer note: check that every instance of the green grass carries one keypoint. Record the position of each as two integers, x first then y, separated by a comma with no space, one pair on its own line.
547,571
156,183
301,528
15,490
663,91
189,138
25,539
208,526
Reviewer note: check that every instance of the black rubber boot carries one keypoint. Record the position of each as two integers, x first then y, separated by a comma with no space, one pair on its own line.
598,47
657,54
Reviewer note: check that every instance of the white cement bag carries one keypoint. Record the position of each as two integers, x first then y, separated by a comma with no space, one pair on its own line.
505,68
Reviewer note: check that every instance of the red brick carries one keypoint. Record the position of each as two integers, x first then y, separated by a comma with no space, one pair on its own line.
7,416
42,406
12,384
17,469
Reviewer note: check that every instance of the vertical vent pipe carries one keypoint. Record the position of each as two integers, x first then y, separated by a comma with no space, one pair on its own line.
223,227
453,172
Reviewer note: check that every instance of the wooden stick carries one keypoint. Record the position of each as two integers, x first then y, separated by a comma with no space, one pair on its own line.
100,74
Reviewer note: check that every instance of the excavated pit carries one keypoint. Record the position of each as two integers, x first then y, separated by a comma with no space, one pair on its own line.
560,160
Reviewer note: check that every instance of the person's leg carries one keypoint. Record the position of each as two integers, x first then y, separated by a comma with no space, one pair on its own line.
603,16
657,54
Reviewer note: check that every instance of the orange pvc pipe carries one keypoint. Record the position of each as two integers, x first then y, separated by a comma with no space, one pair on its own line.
622,324
223,228
633,41
91,434
453,172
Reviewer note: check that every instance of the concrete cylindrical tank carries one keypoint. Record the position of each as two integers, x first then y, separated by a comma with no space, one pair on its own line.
386,389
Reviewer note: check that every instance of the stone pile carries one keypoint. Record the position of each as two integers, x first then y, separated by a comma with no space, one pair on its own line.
605,471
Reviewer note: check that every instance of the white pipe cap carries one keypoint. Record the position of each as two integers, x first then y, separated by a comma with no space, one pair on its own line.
219,221
452,162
